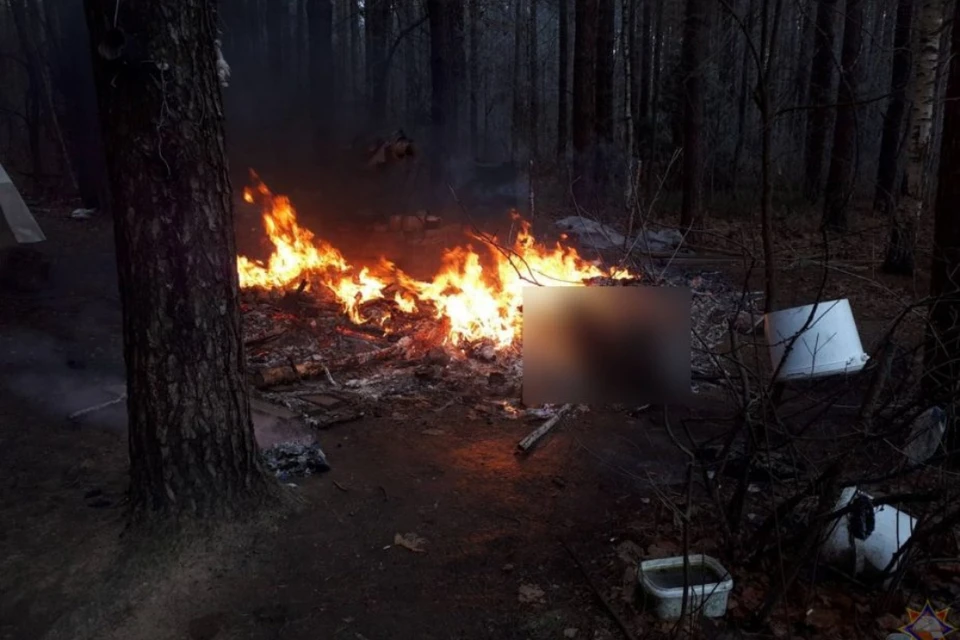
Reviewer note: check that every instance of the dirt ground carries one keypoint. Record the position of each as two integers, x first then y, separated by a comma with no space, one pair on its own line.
494,564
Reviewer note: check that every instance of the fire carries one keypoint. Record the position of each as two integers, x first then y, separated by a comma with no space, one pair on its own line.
477,300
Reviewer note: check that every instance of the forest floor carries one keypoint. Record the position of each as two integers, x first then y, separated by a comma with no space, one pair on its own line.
494,562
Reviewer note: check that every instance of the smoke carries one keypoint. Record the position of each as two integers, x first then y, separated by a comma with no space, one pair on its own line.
38,370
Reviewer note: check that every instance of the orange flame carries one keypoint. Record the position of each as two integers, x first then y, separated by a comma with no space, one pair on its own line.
474,301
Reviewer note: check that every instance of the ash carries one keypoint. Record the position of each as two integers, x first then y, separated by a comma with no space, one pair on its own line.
291,459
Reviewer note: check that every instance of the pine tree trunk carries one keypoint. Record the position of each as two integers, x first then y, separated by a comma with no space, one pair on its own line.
585,97
921,92
942,353
192,448
694,57
821,85
533,58
885,198
517,128
563,109
843,159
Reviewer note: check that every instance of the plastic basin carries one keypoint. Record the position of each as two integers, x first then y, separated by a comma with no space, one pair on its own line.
662,582
828,345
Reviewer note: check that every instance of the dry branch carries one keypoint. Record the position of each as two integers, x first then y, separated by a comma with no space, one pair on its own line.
273,376
531,440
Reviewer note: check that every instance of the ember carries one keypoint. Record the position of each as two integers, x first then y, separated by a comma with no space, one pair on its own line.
470,299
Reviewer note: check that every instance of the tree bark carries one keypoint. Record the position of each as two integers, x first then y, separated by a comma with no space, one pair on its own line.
445,17
922,93
694,57
518,130
606,41
73,82
533,61
644,76
563,109
377,36
320,68
192,447
885,197
843,159
585,97
474,10
821,84
942,352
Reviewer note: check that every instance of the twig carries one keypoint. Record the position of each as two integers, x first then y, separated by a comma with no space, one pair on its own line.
97,407
531,440
624,629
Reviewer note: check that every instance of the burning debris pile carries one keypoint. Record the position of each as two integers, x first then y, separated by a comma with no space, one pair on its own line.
311,315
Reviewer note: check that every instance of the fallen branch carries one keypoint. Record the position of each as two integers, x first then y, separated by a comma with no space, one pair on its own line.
283,374
261,340
531,440
624,629
97,407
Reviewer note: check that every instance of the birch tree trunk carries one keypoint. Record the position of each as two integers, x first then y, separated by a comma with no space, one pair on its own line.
192,448
921,93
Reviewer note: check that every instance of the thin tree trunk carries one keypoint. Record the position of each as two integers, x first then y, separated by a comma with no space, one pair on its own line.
563,109
533,58
446,18
632,74
644,74
320,43
606,35
192,447
654,140
694,57
942,352
377,35
518,130
843,159
585,97
742,104
474,10
821,84
28,44
885,197
922,93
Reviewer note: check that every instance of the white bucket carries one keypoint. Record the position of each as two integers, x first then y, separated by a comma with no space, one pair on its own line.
829,345
891,531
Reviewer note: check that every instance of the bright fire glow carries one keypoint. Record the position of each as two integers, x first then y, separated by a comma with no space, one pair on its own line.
476,299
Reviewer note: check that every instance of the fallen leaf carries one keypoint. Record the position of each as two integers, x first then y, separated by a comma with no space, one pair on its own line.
411,541
433,432
824,618
630,552
530,593
890,622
